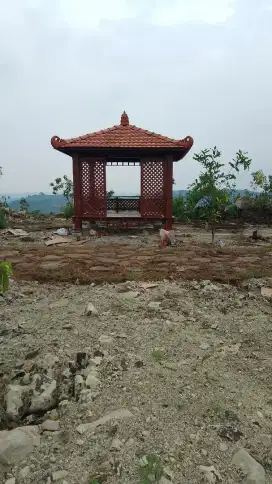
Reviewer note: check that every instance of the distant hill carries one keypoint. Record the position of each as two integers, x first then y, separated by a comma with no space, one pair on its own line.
43,203
54,203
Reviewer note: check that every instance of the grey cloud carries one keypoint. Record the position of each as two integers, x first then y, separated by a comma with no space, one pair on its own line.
209,81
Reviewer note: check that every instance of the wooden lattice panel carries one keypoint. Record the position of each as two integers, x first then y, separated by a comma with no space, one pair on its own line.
119,204
93,187
152,188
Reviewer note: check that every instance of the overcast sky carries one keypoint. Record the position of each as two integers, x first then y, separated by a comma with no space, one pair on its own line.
178,67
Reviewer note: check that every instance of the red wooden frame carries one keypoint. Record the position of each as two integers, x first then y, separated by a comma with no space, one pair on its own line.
90,191
124,144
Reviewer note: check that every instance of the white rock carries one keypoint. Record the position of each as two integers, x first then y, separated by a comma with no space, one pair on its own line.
116,444
90,310
170,366
121,336
14,400
24,473
120,414
266,440
61,303
97,360
11,481
15,445
211,474
45,398
50,425
130,295
143,461
266,292
106,341
255,473
86,396
223,447
79,384
47,362
33,432
26,379
168,473
155,305
204,346
92,381
54,415
58,475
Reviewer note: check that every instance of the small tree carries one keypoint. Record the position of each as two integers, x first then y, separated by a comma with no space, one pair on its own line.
262,182
24,205
261,202
65,186
213,189
3,206
4,201
5,273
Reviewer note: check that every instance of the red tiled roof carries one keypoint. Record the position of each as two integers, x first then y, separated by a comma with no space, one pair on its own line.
124,135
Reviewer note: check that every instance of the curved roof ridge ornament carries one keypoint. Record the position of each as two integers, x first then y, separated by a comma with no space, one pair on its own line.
124,119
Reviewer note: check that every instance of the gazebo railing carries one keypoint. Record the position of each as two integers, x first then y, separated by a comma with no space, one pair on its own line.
123,204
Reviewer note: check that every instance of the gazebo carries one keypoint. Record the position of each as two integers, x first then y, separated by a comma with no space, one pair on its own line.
123,145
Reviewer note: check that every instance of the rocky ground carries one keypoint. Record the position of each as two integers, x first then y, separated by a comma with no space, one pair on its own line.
136,383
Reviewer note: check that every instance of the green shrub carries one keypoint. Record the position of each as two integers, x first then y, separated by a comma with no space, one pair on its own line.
68,210
3,219
5,273
179,207
182,208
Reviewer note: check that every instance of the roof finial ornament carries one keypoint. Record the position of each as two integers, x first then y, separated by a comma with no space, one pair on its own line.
124,119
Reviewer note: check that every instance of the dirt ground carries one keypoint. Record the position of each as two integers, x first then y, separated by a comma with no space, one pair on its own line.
183,362
121,257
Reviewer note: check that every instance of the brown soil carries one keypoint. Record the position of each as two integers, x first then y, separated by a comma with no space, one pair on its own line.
119,258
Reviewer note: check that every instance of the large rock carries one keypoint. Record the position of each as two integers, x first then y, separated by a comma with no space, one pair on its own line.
44,398
120,414
90,310
78,385
211,474
24,473
14,400
255,473
47,362
86,397
16,444
50,425
40,395
131,295
106,341
59,475
92,381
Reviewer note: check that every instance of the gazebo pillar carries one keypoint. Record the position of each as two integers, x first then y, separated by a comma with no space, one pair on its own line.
168,187
76,179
